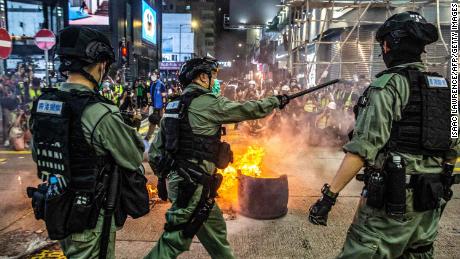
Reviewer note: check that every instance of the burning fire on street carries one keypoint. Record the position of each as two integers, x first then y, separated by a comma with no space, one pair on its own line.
248,164
247,186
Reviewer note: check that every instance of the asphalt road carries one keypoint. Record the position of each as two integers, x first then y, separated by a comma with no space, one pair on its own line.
291,236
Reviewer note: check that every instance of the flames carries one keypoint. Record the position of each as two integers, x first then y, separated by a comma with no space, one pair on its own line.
249,163
152,191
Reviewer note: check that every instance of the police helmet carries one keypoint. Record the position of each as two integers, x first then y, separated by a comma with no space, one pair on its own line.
408,24
194,67
78,47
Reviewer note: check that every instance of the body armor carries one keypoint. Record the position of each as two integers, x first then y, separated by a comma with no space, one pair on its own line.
181,142
424,128
61,147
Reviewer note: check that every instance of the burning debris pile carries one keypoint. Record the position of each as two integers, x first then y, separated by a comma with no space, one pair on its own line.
247,185
248,164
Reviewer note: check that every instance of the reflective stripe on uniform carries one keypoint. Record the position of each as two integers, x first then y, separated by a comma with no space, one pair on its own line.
168,115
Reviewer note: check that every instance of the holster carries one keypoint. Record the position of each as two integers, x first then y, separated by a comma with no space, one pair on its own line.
68,212
224,156
163,165
428,191
210,183
375,188
205,206
448,179
185,193
216,181
38,196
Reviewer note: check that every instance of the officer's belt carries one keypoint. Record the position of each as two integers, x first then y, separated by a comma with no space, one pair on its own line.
192,171
411,179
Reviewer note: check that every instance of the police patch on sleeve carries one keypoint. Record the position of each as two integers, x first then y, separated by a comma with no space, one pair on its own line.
436,82
50,107
172,105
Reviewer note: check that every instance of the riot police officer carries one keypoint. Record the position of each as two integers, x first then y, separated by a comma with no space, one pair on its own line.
402,138
187,150
77,136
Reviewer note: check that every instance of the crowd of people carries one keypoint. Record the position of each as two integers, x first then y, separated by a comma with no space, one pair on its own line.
136,101
324,117
17,92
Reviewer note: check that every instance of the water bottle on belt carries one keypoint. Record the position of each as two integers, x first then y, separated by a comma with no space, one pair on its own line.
396,187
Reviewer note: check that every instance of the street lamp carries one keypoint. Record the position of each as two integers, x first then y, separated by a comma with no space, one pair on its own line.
240,45
193,25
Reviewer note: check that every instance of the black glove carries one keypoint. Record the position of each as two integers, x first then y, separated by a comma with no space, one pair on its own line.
162,191
284,100
320,210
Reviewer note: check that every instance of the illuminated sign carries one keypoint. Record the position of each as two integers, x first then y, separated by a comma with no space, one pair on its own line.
149,20
88,12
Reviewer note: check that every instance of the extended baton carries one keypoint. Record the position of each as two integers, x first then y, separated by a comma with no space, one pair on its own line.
292,96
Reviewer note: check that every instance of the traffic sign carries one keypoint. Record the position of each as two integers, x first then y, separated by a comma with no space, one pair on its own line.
45,39
5,44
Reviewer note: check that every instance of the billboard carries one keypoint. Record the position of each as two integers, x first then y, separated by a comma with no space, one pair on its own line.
88,12
24,18
149,20
177,35
254,12
177,42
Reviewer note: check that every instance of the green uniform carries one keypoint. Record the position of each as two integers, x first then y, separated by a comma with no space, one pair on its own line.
373,234
124,144
206,114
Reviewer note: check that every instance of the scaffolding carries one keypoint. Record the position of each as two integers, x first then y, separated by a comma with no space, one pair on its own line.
336,38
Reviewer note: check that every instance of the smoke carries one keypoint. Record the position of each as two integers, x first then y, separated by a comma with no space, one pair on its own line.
308,155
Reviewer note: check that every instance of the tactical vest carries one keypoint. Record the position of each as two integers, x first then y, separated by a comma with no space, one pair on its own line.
181,143
61,147
424,128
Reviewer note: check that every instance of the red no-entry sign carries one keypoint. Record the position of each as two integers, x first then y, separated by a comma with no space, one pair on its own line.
5,44
45,39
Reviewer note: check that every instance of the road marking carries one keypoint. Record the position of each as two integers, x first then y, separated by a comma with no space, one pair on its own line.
49,254
11,152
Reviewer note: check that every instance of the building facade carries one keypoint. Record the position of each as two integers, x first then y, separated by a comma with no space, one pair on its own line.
204,14
134,24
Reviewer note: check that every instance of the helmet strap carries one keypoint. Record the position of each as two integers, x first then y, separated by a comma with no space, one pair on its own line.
90,78
210,77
